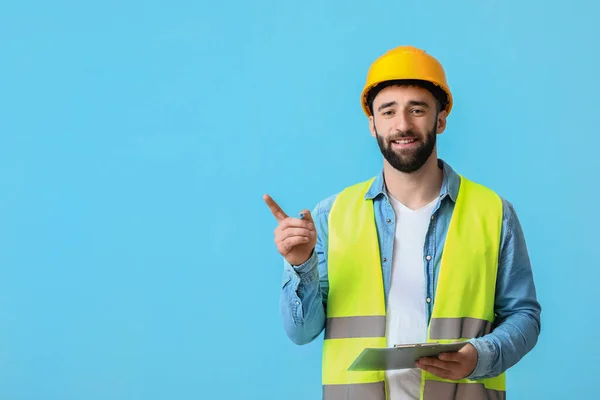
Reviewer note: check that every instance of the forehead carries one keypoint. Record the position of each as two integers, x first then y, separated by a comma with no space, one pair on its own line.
403,94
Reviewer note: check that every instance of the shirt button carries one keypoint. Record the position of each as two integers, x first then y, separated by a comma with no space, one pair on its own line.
428,258
384,259
428,300
389,220
298,303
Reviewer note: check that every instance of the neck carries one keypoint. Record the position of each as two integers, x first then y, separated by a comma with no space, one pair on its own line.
416,189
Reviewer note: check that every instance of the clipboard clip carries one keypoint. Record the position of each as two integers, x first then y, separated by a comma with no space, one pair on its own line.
417,345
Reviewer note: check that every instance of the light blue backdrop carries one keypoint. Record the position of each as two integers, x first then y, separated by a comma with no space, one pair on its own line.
137,138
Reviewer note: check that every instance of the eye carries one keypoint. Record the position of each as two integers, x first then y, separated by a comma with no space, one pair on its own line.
417,111
387,113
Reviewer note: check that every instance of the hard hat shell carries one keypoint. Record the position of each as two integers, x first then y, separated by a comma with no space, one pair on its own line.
405,63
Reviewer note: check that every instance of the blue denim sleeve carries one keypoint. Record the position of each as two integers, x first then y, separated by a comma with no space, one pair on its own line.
304,293
518,321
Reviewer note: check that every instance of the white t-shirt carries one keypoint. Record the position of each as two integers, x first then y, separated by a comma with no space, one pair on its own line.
406,319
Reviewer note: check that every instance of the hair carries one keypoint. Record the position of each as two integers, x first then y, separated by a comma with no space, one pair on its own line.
438,93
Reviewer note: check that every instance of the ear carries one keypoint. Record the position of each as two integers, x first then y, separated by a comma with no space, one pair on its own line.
441,122
372,126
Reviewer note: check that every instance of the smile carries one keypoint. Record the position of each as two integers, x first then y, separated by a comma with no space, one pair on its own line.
404,141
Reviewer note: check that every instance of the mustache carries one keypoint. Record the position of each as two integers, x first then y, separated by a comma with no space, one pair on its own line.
404,135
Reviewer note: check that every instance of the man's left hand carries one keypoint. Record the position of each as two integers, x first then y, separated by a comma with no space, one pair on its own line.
453,366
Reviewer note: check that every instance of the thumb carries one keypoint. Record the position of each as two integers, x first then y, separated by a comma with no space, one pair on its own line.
305,215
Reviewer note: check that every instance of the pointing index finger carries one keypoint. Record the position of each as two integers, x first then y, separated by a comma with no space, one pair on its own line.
278,213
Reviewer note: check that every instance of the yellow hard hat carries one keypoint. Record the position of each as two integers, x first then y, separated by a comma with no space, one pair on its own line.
405,63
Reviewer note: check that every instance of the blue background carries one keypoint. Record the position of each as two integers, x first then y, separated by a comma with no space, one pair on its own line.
137,138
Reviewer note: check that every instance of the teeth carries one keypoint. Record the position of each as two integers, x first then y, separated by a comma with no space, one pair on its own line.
404,141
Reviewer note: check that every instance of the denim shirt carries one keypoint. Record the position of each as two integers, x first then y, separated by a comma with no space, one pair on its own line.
303,299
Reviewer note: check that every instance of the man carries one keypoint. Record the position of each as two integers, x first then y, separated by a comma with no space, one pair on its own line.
416,254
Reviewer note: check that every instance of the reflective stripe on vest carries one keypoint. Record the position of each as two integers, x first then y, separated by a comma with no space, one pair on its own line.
355,327
441,328
458,328
464,297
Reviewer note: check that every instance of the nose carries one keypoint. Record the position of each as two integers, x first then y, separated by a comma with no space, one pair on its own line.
402,122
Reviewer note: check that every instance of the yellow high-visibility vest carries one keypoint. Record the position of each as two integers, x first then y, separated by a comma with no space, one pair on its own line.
464,297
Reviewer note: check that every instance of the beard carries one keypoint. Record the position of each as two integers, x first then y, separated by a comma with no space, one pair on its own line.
407,160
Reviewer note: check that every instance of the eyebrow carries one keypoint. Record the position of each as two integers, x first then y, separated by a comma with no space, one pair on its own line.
418,103
410,103
386,105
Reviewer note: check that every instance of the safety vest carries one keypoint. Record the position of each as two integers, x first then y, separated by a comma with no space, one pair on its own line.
464,298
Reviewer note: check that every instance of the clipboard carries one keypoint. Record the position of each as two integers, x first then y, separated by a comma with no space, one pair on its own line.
400,356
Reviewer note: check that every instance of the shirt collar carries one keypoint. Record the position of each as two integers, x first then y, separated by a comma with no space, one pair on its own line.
450,183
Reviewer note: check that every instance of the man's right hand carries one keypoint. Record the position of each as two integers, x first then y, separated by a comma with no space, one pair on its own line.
295,238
